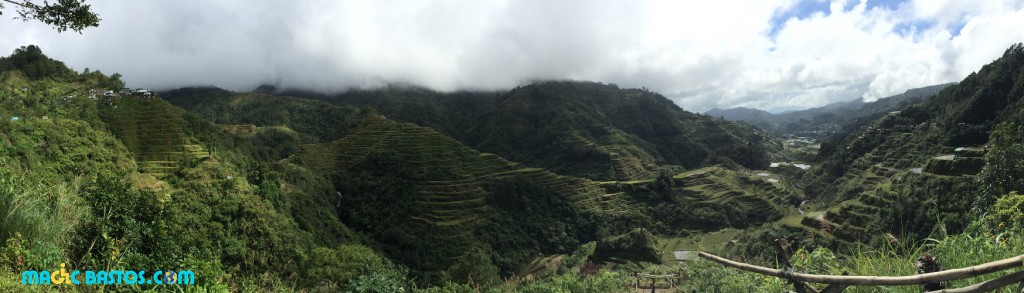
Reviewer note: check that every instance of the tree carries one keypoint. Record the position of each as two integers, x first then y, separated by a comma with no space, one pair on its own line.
31,61
1003,170
663,184
63,14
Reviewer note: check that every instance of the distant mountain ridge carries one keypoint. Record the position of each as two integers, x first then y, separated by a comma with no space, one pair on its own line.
760,118
825,120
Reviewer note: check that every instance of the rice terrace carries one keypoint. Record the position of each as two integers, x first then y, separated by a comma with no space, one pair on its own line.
512,146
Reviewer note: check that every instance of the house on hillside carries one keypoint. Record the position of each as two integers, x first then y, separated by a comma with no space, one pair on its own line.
684,255
143,92
92,93
969,152
124,91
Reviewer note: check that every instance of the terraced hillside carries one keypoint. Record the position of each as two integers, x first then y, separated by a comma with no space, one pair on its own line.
436,190
440,192
583,129
720,198
716,185
449,177
152,131
898,174
602,132
875,194
320,120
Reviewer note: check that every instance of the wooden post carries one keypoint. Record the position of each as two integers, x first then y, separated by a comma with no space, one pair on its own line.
784,263
637,286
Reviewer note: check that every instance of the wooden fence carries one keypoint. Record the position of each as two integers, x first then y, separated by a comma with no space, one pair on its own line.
839,283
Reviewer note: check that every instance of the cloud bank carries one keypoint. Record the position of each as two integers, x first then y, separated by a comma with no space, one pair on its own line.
768,54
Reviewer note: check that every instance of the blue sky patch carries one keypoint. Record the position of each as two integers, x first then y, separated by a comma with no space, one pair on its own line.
808,8
803,9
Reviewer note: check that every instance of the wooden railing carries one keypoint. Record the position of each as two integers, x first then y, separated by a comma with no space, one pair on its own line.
838,283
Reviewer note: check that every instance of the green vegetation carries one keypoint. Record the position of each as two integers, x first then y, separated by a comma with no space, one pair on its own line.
80,188
62,15
954,251
902,172
584,129
254,191
315,121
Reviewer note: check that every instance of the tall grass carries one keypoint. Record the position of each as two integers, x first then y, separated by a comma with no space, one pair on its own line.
41,218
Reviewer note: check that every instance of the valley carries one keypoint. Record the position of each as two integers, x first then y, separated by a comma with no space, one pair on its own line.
536,187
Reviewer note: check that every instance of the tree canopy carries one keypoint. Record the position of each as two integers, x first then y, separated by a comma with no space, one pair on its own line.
62,14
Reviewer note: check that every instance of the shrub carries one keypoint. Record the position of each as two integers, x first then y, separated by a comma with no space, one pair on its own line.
356,268
1006,216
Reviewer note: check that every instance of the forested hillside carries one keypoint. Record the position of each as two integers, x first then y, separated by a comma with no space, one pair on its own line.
137,183
591,130
547,187
927,169
328,196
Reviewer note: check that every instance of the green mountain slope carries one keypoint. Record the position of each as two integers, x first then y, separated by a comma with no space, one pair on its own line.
912,169
603,132
584,129
428,200
137,183
317,120
411,189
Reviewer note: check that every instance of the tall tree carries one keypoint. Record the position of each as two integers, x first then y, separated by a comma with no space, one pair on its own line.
62,14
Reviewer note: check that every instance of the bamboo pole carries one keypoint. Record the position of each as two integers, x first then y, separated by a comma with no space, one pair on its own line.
988,285
947,275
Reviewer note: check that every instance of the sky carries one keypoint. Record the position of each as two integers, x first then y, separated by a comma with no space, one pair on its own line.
768,54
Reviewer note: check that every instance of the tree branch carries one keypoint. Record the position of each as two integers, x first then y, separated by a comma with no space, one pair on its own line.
25,4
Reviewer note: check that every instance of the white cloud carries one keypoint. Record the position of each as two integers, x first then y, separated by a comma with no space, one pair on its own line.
701,54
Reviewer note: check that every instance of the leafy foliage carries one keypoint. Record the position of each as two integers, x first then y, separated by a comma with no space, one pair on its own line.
532,218
62,14
1003,170
1004,219
36,66
637,245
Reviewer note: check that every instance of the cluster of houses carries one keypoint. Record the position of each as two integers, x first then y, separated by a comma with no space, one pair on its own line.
122,92
905,128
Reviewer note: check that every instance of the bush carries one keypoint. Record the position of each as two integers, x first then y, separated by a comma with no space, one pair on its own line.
603,281
356,268
1006,216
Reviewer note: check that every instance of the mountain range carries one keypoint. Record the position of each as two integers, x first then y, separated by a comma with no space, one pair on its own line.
551,186
825,120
